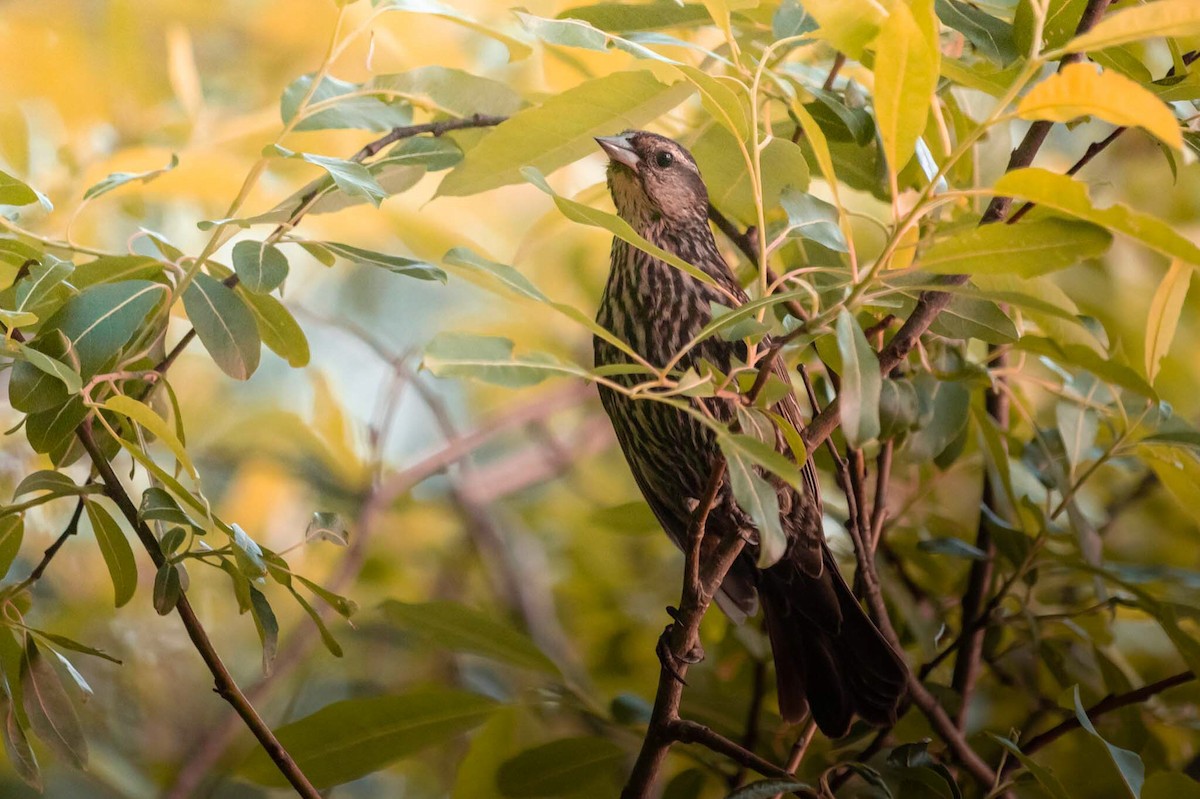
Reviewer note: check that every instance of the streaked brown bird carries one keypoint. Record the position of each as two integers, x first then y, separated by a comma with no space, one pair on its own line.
829,656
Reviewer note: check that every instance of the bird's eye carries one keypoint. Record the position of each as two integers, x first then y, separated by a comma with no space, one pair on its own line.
663,159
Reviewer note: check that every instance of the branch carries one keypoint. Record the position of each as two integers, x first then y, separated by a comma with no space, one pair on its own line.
1106,705
223,682
71,529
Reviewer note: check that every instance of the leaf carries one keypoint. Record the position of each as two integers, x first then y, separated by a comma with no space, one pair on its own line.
765,789
757,498
15,192
44,275
12,532
1079,90
247,553
88,331
490,360
561,130
225,326
625,18
516,49
352,178
16,744
1078,422
118,555
849,25
260,267
53,367
861,382
267,627
167,588
1070,196
1133,772
46,480
954,547
51,714
1043,775
396,264
1172,18
158,505
452,90
360,113
67,643
992,37
278,328
728,181
559,768
117,179
1030,249
906,73
326,637
814,219
721,101
350,739
456,627
153,424
1163,319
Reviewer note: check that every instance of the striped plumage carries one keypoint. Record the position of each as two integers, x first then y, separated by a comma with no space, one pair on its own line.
828,655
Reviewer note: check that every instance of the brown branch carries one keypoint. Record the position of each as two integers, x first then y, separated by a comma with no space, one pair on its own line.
223,682
839,61
979,579
1106,705
690,732
71,529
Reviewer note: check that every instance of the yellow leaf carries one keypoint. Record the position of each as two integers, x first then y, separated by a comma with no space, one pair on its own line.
906,248
849,25
1080,90
906,73
154,424
1164,315
1165,18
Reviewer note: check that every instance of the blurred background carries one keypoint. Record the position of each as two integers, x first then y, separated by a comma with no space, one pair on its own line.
511,501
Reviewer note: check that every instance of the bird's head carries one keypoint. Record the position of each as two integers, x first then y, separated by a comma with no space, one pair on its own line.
653,178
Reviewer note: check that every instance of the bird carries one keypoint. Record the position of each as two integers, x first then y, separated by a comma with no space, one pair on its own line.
831,661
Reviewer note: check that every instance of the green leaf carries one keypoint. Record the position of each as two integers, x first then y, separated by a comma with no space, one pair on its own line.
1165,310
87,331
118,555
626,18
47,431
559,768
757,498
153,424
267,626
278,328
326,637
167,588
1068,355
849,25
1133,772
968,317
396,264
158,505
791,19
53,367
67,643
764,789
361,113
453,626
992,37
343,606
720,100
1079,90
906,73
117,179
350,739
51,714
247,553
261,267
225,326
352,178
1171,18
452,90
954,547
12,532
46,480
562,129
1043,775
116,268
16,744
724,170
14,192
861,382
814,219
43,277
491,360
1029,249
1070,197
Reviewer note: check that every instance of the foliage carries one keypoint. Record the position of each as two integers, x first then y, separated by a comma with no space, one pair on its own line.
402,200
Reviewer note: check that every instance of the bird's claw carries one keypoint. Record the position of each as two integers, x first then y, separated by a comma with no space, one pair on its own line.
667,657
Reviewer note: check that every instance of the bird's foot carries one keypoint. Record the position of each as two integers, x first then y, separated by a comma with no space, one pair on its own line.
666,656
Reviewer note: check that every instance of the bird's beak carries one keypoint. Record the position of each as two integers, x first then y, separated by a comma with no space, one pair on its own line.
620,150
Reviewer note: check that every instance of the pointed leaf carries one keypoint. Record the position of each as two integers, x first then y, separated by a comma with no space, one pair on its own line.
395,264
350,739
260,267
906,74
12,532
1133,772
450,625
1165,310
153,424
559,768
16,744
225,326
861,382
1164,18
1029,249
118,554
51,714
117,179
757,498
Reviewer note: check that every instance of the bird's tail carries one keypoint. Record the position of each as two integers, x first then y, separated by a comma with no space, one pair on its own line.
830,658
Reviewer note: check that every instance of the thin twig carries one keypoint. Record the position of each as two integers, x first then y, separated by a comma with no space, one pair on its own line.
71,529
